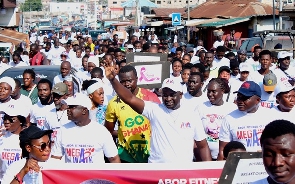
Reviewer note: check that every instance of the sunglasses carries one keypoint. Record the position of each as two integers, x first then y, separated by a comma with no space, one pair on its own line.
243,98
63,56
43,146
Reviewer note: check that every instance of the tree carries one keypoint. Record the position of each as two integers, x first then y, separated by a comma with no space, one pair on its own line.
32,5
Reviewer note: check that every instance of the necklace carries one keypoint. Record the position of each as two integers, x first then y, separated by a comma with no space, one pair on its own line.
59,118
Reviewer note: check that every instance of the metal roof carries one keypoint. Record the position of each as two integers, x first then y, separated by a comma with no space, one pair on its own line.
233,8
224,22
165,12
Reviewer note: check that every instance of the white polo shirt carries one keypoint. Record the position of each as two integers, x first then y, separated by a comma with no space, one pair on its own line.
173,133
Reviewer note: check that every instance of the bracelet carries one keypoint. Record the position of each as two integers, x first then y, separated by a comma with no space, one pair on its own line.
17,178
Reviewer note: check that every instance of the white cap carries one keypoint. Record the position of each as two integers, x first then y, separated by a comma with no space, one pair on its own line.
172,84
16,110
94,60
78,99
244,67
284,54
9,81
130,46
283,86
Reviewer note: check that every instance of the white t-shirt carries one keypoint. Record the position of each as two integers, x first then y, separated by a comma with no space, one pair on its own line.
263,181
254,65
54,55
45,52
245,128
76,63
21,63
218,43
55,120
24,100
212,117
189,101
281,76
173,133
15,167
38,114
267,100
277,114
86,144
10,151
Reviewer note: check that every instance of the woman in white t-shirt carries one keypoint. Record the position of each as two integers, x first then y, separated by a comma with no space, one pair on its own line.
14,122
213,111
36,147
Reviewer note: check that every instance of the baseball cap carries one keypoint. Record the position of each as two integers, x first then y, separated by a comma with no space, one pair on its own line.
16,110
172,84
32,132
242,52
223,68
60,88
284,54
94,60
269,82
283,86
10,81
244,67
64,53
130,46
189,49
78,99
76,42
249,88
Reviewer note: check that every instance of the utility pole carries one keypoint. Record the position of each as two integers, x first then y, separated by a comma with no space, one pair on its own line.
95,15
280,17
274,15
188,19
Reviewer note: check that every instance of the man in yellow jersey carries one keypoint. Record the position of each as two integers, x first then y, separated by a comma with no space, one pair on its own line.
134,129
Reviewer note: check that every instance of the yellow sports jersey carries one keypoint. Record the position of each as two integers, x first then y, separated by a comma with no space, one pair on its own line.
134,130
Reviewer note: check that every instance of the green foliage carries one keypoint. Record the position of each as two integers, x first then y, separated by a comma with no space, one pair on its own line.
32,5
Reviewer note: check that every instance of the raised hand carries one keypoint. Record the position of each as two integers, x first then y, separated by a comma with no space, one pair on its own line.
109,71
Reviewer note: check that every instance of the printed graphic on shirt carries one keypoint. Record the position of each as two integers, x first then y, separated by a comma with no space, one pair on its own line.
10,155
267,104
100,115
76,153
250,134
134,130
40,120
212,126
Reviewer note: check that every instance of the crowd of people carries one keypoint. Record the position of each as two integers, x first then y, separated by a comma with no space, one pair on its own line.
213,103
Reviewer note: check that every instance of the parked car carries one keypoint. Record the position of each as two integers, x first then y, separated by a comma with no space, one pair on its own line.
267,41
42,72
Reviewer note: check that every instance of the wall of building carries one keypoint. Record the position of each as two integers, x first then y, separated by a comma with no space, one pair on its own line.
68,7
267,24
9,18
161,3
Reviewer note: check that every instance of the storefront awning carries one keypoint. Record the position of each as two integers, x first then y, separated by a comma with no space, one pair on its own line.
224,22
196,22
